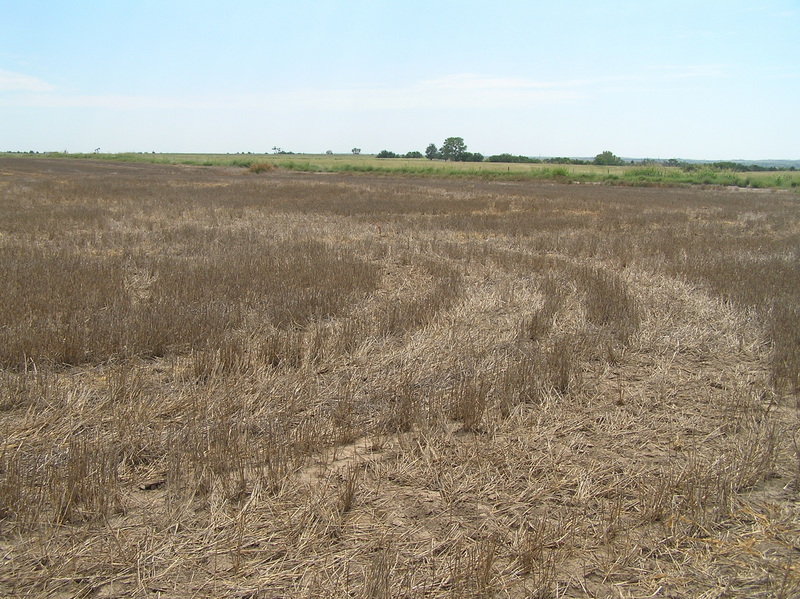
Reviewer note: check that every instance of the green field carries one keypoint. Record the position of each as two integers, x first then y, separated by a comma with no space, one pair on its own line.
635,175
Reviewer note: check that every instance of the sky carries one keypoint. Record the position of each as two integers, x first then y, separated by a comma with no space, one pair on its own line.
690,79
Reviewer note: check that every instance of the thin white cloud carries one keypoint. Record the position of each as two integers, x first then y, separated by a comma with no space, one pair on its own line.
110,101
467,91
456,91
689,71
775,9
14,82
453,91
782,72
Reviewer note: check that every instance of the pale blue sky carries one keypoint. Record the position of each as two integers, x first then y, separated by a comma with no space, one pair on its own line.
700,79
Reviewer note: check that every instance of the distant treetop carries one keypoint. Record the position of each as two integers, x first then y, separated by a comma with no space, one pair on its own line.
608,159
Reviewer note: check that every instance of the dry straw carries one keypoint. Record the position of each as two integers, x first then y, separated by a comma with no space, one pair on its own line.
215,384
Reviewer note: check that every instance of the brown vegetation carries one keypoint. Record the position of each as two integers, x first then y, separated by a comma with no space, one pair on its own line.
214,383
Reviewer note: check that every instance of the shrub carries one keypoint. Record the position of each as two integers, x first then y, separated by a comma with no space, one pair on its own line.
261,167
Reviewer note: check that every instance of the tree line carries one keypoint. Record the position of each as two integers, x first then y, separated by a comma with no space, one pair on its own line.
388,154
454,149
723,165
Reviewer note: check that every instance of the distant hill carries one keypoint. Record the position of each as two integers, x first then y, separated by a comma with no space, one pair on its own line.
780,164
771,163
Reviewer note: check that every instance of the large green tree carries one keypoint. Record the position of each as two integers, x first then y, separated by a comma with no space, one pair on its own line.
453,148
608,159
431,152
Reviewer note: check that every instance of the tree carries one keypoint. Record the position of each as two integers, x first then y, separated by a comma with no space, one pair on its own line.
386,154
413,154
506,157
453,148
356,150
608,159
431,152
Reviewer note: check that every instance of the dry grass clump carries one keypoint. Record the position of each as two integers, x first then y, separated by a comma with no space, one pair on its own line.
67,306
785,335
261,167
221,385
609,303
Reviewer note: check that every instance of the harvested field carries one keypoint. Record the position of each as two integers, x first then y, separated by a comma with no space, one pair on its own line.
220,383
